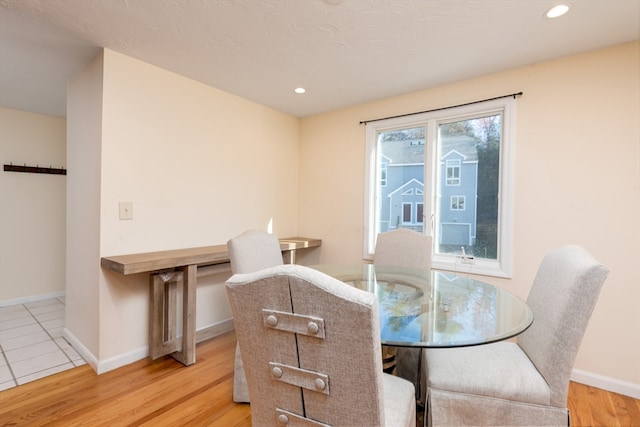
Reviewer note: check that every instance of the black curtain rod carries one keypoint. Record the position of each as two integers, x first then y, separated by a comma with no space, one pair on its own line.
364,122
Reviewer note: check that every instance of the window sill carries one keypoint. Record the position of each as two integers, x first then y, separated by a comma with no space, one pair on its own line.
481,267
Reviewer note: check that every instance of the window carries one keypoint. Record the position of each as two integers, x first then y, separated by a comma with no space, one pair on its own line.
406,213
453,172
412,215
453,167
457,203
383,174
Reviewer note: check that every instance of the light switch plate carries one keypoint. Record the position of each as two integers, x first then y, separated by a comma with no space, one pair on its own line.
126,210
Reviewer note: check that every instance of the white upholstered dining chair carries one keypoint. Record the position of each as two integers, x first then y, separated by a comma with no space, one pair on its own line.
250,251
311,350
405,248
524,382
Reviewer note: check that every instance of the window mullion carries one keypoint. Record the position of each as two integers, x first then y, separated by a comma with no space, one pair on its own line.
430,173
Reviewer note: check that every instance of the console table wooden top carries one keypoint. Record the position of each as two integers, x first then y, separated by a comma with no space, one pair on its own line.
206,255
188,264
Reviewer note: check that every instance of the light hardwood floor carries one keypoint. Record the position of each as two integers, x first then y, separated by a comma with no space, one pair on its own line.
166,393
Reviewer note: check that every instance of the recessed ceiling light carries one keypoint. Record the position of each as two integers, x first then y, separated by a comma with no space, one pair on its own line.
557,11
299,90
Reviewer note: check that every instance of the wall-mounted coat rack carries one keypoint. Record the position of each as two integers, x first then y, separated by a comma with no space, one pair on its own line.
34,169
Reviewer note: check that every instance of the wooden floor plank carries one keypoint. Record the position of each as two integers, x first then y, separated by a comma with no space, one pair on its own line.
166,393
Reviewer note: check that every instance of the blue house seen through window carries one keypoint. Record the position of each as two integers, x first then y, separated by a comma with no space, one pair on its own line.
402,187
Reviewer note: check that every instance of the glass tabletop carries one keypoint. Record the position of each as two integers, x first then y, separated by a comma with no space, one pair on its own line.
433,309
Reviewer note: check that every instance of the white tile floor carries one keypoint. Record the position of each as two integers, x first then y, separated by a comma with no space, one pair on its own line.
32,344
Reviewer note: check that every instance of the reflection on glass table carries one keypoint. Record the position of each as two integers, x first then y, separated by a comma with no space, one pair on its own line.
435,309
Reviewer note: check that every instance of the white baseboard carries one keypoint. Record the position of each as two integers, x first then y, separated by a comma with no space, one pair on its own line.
606,383
214,330
34,298
80,348
102,366
121,360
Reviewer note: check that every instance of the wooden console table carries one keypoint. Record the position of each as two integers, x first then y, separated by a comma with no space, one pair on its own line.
169,268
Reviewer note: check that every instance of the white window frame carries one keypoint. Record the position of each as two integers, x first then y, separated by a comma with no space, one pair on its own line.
458,199
456,165
383,175
501,267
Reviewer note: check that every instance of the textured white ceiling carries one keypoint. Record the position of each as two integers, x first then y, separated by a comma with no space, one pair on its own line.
343,52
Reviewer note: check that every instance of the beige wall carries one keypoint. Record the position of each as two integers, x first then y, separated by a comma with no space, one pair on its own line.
577,180
84,116
199,165
32,207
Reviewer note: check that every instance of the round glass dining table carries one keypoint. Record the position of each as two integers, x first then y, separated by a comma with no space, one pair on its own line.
431,309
